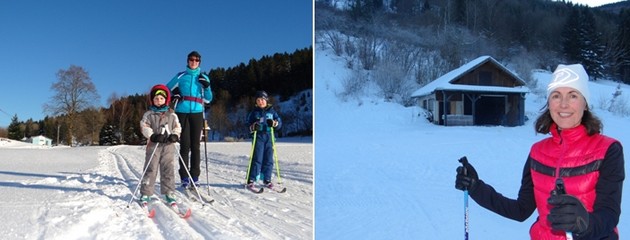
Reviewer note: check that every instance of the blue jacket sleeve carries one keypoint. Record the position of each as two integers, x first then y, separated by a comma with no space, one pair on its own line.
277,117
251,119
173,83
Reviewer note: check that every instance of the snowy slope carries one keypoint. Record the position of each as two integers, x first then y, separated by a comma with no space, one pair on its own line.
82,193
383,172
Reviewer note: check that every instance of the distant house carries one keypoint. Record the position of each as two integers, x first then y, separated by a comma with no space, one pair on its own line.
40,140
481,92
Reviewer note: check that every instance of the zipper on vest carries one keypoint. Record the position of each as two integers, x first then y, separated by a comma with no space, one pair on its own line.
561,157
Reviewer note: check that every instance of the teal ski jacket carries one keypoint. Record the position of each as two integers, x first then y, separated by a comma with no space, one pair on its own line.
193,95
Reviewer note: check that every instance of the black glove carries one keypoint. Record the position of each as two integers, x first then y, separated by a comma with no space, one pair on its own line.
254,127
567,214
204,82
270,122
176,95
158,138
173,138
467,178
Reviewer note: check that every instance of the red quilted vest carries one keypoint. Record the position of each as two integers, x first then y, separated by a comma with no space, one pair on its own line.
576,157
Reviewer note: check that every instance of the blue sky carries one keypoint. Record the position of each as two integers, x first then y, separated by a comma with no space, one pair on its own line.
129,46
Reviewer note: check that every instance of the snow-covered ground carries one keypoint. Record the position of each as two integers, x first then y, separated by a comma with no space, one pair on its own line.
83,193
383,172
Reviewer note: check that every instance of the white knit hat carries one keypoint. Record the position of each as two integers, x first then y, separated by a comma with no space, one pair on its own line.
573,76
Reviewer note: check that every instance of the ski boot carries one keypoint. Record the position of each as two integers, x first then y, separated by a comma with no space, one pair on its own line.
144,200
170,199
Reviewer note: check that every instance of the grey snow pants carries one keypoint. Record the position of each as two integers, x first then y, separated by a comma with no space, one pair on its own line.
163,160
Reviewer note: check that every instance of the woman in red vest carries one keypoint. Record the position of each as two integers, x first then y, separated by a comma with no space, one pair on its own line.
573,178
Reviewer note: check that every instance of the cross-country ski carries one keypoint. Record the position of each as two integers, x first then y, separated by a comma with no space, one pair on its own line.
149,210
254,189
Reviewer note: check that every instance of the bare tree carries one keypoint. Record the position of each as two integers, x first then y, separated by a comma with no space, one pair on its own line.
218,120
368,51
91,121
74,92
124,111
334,40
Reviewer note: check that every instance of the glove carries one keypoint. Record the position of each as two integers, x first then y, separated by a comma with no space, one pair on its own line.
176,96
158,138
270,122
253,127
173,138
203,81
467,178
567,214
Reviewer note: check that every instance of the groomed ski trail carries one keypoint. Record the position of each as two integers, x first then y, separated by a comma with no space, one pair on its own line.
236,213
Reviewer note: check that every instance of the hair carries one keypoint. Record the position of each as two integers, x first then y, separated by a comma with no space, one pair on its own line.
592,123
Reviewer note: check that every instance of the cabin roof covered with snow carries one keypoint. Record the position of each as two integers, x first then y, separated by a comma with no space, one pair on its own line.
446,81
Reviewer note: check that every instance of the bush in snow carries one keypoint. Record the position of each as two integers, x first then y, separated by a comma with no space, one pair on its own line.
353,85
619,104
392,81
334,40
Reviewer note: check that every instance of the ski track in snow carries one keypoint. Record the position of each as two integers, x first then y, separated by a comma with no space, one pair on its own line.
91,201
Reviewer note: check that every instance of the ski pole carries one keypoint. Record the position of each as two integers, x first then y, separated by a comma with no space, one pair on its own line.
190,177
464,161
466,214
186,168
251,156
275,155
144,171
205,142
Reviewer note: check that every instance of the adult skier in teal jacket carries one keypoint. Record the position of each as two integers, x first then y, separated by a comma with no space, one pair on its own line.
194,91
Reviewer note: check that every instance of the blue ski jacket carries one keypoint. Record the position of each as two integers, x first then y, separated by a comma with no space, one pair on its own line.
193,94
261,115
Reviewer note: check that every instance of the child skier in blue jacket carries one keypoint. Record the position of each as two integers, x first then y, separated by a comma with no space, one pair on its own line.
261,120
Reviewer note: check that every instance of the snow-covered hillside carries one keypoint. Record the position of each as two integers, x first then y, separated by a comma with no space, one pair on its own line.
82,193
383,172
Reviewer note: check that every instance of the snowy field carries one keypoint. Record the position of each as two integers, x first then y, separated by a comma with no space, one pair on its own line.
383,172
82,193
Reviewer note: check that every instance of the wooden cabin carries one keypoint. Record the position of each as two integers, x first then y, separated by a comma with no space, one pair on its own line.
481,92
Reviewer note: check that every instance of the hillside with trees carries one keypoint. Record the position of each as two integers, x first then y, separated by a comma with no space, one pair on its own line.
400,45
287,77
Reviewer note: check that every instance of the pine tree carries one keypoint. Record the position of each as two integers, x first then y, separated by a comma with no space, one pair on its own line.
582,42
571,36
15,132
591,50
621,57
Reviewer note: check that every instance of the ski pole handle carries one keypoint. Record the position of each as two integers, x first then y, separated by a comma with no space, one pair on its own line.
557,191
